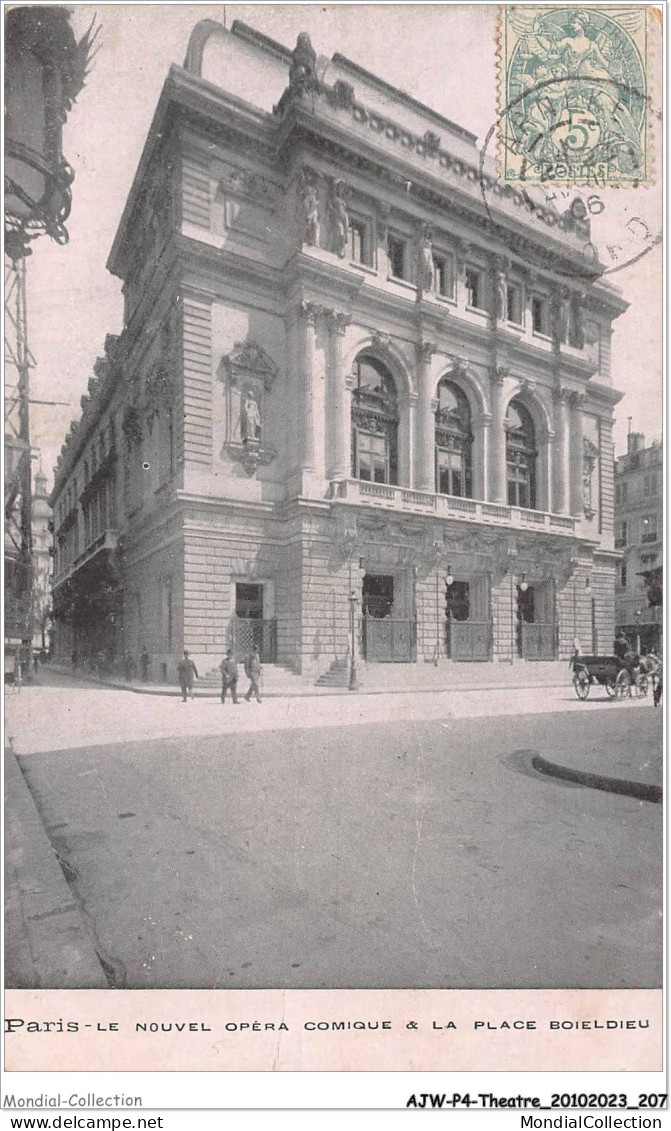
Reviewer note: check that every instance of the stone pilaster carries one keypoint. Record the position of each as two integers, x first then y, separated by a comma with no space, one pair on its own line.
497,438
561,484
577,503
425,444
339,420
307,318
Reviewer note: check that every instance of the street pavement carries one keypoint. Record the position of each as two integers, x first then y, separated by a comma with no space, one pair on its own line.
397,841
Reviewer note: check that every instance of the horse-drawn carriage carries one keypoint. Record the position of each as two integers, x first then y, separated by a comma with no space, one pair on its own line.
620,677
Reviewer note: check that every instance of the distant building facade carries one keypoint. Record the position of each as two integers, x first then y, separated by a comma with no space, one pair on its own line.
42,562
346,376
639,517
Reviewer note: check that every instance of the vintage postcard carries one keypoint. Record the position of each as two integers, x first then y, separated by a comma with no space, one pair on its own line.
333,558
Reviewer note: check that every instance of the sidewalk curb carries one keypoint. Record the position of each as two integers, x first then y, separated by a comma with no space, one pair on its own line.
598,781
58,951
291,693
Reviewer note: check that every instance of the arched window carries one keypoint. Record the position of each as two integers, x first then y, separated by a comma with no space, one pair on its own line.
521,456
374,422
454,441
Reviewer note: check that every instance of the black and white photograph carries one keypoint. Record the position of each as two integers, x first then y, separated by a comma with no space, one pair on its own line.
334,500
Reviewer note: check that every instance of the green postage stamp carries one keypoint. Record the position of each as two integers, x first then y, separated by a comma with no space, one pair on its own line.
573,98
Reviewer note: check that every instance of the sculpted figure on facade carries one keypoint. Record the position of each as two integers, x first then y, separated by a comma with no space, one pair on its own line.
500,290
426,272
340,218
250,420
576,323
310,211
303,69
560,314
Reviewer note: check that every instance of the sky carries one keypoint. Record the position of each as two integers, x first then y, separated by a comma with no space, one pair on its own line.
440,54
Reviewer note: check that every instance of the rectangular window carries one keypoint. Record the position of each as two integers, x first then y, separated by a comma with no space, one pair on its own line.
372,461
445,275
623,575
514,304
539,316
396,253
625,490
646,485
359,242
653,484
621,535
449,473
649,528
474,295
519,493
618,492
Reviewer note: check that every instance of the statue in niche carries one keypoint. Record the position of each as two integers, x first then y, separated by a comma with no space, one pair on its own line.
427,266
250,419
303,69
340,217
310,212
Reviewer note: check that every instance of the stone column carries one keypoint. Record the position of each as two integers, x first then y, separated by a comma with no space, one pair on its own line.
338,422
425,445
561,488
577,503
481,452
306,355
406,440
497,439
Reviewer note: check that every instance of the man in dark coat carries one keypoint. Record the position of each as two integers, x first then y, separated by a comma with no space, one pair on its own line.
253,673
186,672
229,676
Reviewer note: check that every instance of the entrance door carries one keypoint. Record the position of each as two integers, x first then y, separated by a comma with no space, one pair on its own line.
249,627
386,637
535,622
467,624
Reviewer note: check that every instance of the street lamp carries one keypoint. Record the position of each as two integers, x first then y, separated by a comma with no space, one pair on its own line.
353,683
524,585
638,614
449,581
45,71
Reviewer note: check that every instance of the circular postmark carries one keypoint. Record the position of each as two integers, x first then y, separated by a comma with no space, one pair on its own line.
561,181
576,91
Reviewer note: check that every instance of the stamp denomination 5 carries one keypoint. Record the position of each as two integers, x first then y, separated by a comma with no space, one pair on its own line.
573,95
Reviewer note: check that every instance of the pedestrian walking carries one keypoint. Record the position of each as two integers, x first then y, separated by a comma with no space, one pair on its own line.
253,673
186,671
144,664
128,666
229,676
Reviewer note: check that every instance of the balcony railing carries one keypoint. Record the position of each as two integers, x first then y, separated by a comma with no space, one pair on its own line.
449,506
108,540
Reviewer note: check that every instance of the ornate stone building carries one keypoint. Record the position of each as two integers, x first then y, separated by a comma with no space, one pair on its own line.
354,369
639,526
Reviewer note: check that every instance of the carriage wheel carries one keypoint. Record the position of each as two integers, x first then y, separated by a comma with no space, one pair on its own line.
582,682
642,685
610,689
622,684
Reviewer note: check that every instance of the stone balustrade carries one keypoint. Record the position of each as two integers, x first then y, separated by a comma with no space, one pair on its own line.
404,500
